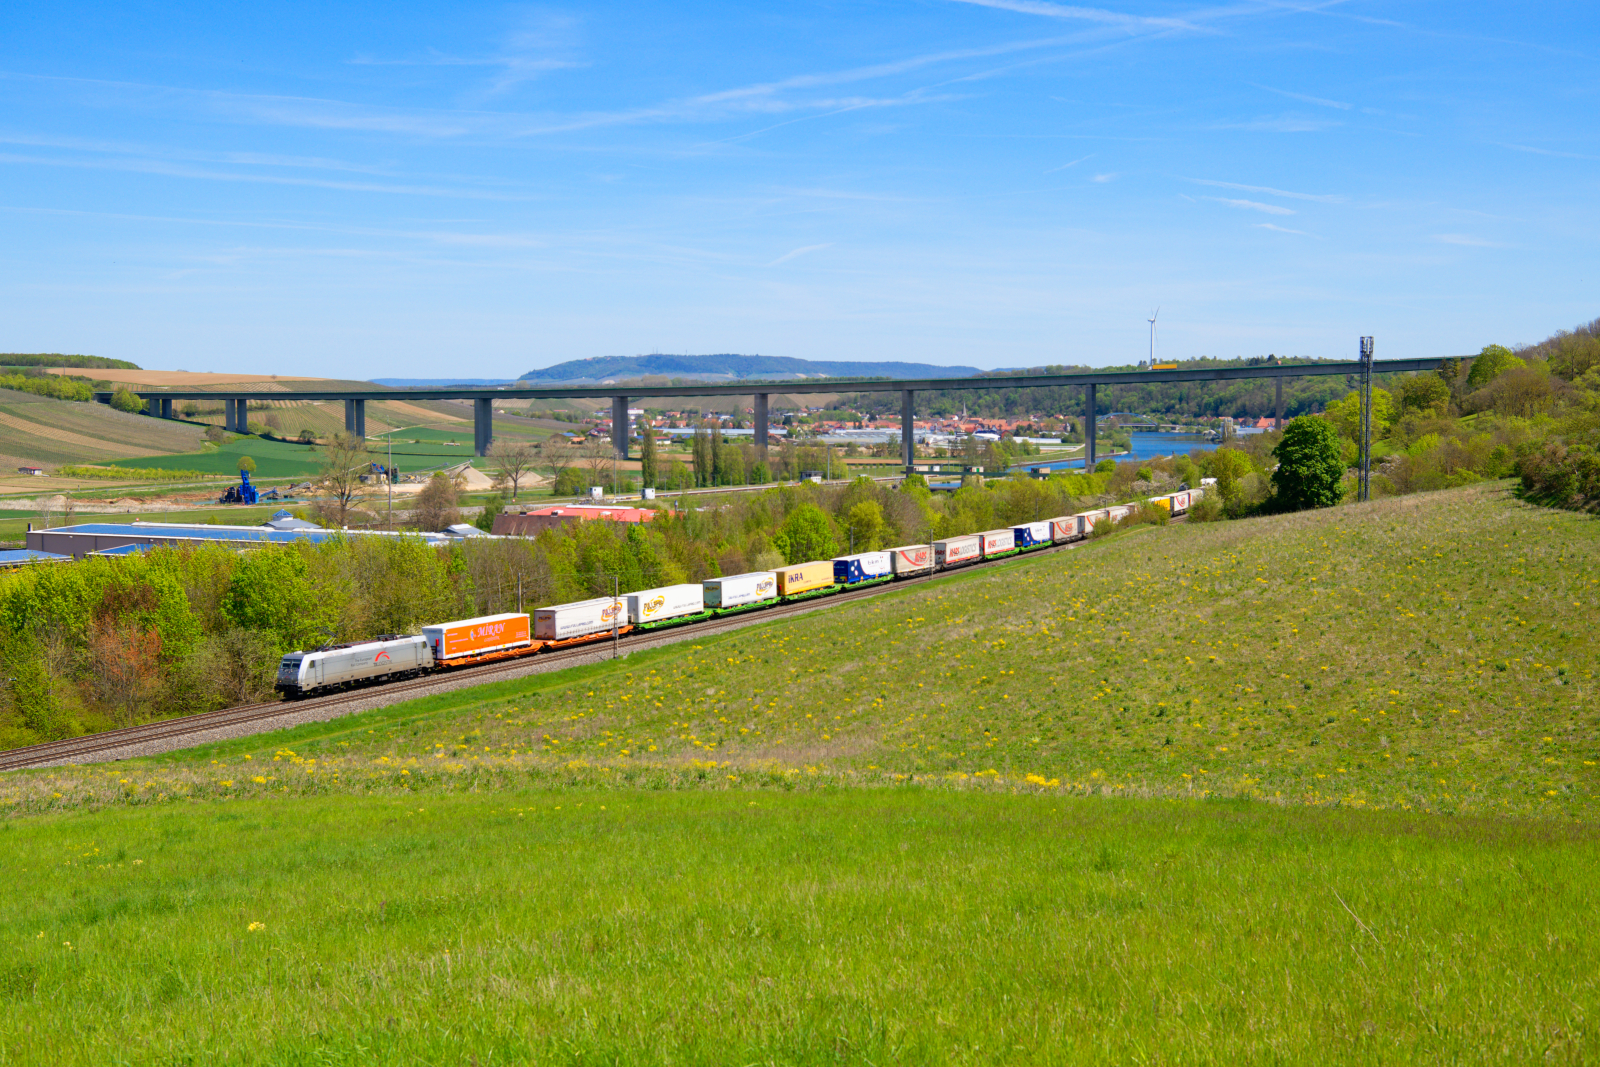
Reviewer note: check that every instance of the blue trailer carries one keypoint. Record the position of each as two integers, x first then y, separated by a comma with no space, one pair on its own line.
862,567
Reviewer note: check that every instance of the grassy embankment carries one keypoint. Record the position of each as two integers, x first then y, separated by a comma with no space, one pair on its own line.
886,851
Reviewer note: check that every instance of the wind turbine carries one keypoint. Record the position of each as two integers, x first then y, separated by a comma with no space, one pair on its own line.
1152,321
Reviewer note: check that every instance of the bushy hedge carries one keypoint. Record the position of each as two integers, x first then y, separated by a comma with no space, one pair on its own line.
1563,474
55,386
143,474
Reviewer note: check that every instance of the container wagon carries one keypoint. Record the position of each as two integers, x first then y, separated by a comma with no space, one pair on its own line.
1088,519
740,592
1066,528
304,673
1033,535
583,618
862,568
467,640
997,543
955,551
806,579
911,559
1118,512
669,605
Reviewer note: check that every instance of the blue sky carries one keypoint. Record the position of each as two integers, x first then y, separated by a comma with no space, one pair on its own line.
479,189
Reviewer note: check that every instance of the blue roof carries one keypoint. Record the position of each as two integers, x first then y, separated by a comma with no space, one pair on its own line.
122,550
203,532
13,557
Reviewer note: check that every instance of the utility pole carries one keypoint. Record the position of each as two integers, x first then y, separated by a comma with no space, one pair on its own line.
519,592
1366,419
388,477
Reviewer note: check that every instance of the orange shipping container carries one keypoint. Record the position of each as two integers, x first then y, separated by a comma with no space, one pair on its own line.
804,577
475,637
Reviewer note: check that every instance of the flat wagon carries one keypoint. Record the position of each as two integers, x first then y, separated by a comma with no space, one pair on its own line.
1032,534
582,618
802,579
955,551
669,604
469,639
997,543
738,592
861,568
911,559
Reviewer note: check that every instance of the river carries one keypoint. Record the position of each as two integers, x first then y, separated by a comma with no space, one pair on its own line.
1145,446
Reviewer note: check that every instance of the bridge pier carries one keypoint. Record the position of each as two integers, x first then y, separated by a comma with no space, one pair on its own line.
355,419
761,425
166,407
1088,428
908,428
235,415
1278,382
619,426
482,425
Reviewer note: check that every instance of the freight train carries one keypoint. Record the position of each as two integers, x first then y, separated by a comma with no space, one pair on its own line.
468,642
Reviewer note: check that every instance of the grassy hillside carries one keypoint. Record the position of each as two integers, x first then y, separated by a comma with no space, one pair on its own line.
1116,804
40,431
1422,653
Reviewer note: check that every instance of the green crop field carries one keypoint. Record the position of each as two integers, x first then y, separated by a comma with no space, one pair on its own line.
1312,788
274,459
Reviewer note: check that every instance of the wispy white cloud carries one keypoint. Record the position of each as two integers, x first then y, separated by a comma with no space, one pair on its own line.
171,169
1087,14
1466,240
1319,101
1278,124
1547,152
526,53
1281,229
1103,178
1074,163
1253,205
1320,198
798,252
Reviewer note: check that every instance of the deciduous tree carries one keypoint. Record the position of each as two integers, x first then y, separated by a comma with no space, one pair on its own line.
1310,466
1489,364
806,534
514,460
340,485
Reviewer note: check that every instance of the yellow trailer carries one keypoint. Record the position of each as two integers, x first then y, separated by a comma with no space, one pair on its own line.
804,577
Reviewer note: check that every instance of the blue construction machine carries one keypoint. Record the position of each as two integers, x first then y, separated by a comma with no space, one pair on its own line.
243,493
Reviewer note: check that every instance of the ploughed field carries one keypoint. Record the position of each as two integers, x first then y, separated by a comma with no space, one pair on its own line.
1304,789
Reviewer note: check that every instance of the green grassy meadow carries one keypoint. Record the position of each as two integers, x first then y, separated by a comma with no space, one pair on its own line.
727,927
274,459
1311,788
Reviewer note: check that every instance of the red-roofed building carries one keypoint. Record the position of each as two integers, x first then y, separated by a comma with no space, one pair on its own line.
532,522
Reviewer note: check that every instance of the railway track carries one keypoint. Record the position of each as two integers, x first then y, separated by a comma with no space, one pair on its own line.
85,749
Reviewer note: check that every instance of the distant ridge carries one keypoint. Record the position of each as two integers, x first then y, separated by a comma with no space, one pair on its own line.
729,366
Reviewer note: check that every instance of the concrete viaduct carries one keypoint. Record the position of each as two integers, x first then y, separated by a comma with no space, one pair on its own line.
483,400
